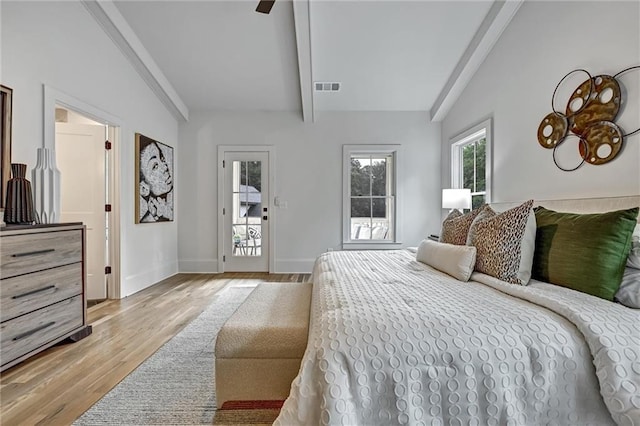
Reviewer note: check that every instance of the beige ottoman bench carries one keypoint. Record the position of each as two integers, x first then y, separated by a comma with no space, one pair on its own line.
260,347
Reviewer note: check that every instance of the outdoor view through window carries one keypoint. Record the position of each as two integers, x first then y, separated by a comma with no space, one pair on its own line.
247,208
473,161
371,196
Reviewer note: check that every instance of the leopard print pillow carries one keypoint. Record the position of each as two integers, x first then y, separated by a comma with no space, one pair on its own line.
456,226
498,242
486,213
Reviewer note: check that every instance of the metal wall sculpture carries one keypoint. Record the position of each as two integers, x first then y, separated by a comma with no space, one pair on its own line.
589,117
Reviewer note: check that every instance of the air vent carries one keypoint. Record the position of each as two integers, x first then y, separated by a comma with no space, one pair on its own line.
326,87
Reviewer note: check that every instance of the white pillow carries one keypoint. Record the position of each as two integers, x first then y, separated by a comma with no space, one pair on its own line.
457,261
633,261
527,248
629,292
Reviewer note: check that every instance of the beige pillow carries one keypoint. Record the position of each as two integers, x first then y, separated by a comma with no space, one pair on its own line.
455,227
455,260
501,246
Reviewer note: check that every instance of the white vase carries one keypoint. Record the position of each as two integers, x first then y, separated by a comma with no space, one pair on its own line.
46,187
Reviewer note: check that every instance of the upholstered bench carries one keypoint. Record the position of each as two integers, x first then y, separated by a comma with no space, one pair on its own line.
260,347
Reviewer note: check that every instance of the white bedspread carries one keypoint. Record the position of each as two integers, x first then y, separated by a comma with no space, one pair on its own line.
393,341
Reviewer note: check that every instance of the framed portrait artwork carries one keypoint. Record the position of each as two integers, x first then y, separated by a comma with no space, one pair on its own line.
154,181
6,95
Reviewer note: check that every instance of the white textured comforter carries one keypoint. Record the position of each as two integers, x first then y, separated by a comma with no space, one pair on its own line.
393,341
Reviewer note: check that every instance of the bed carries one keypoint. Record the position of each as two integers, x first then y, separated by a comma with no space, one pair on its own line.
395,341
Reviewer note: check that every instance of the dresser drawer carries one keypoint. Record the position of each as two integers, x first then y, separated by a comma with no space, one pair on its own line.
28,332
25,293
22,254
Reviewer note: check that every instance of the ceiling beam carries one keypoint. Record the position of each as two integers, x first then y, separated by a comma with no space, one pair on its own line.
497,19
111,20
302,22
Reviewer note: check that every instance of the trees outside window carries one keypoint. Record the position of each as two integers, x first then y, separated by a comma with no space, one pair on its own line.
470,162
370,194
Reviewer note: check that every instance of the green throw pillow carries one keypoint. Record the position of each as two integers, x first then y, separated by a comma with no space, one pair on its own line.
585,252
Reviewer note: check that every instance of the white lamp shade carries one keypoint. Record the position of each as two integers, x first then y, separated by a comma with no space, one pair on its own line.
456,198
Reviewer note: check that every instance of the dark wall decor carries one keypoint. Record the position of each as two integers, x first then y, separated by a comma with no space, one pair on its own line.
154,181
589,117
6,100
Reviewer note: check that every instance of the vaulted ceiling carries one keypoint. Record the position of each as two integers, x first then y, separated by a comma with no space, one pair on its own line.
388,55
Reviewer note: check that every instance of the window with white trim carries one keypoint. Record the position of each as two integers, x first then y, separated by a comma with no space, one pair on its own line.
370,199
471,162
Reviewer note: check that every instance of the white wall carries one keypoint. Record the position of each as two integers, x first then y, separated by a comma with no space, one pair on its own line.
60,45
308,176
514,85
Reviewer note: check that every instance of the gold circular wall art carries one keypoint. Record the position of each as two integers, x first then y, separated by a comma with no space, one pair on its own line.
589,115
552,130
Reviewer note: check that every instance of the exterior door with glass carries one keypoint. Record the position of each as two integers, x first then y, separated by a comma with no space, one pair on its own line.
246,215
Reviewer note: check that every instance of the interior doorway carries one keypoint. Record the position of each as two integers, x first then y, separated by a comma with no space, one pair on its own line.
83,156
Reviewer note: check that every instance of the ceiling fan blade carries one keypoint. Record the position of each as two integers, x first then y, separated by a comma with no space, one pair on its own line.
264,6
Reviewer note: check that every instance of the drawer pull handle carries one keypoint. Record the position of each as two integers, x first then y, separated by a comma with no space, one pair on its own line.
29,293
35,330
33,253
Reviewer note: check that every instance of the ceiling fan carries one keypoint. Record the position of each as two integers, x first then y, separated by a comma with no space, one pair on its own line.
264,6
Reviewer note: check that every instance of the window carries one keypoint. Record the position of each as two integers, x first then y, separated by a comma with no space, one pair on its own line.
370,195
470,162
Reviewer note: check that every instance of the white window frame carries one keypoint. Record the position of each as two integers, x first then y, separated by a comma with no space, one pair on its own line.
347,152
483,129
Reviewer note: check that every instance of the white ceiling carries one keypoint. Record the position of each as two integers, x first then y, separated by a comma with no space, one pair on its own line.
221,54
389,55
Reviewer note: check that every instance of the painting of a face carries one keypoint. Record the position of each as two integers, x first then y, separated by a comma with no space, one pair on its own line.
155,170
154,180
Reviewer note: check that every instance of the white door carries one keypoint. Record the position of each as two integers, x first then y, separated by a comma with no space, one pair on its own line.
80,155
246,215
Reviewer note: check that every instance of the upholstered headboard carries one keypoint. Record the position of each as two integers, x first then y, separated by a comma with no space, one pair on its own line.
581,205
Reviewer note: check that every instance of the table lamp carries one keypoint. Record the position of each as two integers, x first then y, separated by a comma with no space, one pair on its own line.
456,199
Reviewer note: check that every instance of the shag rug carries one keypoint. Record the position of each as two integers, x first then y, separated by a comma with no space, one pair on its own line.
175,386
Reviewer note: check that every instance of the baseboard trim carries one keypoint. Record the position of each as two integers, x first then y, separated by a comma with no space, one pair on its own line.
282,266
198,266
135,283
294,266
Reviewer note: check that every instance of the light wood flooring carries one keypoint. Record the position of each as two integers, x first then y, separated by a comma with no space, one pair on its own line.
56,386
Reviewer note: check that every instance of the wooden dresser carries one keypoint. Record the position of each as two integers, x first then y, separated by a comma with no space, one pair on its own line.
42,288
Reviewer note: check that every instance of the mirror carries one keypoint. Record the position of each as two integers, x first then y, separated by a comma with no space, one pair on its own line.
6,95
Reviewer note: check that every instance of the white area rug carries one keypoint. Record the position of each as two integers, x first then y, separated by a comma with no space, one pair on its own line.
175,386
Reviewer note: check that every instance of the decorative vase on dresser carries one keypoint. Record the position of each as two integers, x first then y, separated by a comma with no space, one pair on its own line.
46,186
19,203
42,289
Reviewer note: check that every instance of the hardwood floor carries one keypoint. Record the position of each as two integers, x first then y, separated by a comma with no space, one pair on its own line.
56,386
